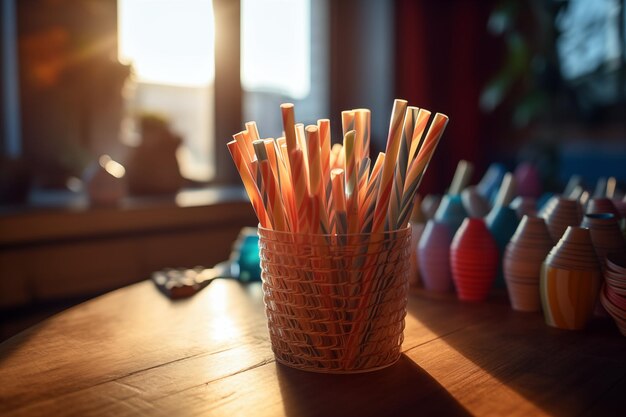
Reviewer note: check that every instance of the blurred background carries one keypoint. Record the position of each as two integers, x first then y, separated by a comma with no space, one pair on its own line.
114,115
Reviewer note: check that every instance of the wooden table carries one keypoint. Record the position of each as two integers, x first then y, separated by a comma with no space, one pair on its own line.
134,352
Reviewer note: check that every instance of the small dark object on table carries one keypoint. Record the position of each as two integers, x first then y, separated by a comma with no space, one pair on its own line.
177,283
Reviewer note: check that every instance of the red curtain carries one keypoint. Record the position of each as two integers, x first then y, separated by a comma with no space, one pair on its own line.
444,57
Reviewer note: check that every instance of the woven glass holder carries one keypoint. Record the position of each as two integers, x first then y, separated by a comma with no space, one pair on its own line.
335,303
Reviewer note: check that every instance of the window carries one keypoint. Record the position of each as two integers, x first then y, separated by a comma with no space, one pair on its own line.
186,56
276,46
171,47
284,58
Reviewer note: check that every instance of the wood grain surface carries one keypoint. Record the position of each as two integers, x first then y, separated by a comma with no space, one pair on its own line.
134,352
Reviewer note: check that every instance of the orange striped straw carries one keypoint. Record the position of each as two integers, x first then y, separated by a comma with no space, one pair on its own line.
347,121
316,183
243,138
339,201
352,192
287,111
323,127
270,150
275,157
280,142
261,185
285,156
281,175
252,130
288,190
297,168
249,184
391,156
248,141
369,204
418,134
363,180
401,165
341,158
419,165
248,157
331,211
301,191
301,138
255,166
361,125
255,169
300,135
277,211
335,153
362,120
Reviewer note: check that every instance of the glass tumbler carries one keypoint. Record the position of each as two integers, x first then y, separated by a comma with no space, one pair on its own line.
335,303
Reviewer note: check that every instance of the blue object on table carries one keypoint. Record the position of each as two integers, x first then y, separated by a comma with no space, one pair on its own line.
247,255
502,221
490,182
451,211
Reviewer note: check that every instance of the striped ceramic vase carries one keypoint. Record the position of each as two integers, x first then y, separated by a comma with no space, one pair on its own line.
570,281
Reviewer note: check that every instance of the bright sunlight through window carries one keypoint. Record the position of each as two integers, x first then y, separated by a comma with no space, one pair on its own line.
171,46
168,41
276,46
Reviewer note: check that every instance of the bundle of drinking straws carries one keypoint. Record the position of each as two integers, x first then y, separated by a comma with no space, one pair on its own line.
299,183
333,253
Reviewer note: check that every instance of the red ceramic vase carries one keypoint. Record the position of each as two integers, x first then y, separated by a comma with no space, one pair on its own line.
474,260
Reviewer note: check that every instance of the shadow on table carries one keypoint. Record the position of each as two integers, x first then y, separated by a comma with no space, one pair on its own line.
402,389
543,364
14,344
